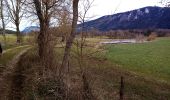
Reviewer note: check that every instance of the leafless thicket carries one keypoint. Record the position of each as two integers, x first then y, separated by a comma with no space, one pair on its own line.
16,13
80,46
165,3
4,18
46,11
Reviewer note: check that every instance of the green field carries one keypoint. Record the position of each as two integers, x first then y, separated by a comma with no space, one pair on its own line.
11,48
9,54
11,41
150,59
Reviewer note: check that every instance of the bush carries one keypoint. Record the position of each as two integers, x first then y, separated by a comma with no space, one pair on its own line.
152,36
140,38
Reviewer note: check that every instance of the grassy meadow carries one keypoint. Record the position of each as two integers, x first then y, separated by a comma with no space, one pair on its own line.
11,48
150,59
9,54
145,67
10,39
104,73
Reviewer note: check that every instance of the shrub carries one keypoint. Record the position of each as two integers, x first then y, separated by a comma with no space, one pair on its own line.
140,38
152,36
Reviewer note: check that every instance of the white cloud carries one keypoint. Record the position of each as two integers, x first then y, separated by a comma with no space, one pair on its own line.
107,7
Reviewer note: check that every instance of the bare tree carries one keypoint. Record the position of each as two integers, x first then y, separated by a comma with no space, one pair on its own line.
2,19
64,21
85,7
15,10
45,9
165,3
70,39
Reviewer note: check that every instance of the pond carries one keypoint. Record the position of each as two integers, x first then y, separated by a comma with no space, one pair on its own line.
122,41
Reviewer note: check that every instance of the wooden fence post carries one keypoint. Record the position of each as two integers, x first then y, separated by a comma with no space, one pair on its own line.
121,88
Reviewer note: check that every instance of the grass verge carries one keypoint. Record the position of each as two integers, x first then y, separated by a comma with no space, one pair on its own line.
151,59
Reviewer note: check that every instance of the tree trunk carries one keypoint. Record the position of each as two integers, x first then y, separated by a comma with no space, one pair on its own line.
18,33
3,23
62,38
42,41
45,45
3,30
43,37
70,39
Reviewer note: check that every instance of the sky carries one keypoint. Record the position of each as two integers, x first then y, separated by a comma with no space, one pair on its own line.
108,7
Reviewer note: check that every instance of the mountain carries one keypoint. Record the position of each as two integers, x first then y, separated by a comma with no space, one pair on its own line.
30,29
143,18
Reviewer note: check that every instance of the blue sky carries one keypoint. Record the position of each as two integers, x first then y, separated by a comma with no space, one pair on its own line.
106,7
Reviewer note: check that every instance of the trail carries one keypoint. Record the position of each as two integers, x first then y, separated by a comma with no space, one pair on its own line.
11,79
14,48
14,61
3,67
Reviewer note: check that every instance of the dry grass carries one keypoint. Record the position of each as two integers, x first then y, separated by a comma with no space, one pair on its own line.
152,37
102,75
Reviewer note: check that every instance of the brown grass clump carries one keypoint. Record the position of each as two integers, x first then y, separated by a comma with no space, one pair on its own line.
152,37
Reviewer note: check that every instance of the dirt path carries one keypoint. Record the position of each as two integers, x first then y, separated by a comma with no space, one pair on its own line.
14,61
7,50
11,79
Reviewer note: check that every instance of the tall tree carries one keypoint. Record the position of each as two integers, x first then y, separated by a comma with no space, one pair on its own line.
45,9
85,7
15,10
2,18
70,39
